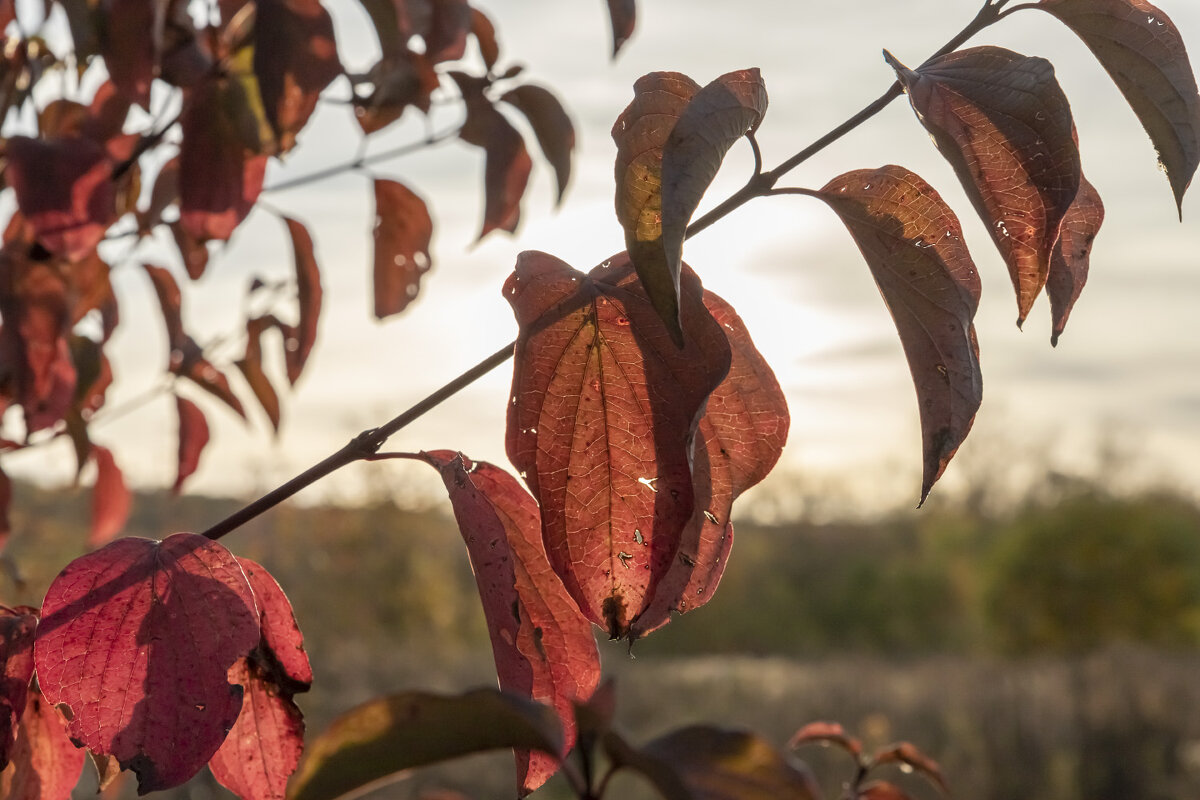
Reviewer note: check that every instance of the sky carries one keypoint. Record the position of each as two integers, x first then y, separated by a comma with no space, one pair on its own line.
1124,378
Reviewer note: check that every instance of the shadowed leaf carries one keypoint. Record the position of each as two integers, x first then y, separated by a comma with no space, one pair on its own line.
543,646
414,729
1072,255
92,289
403,230
507,166
5,505
157,624
111,499
188,361
882,790
163,195
252,369
17,626
193,437
705,763
640,133
1142,50
623,15
552,127
45,764
604,407
128,46
446,39
299,341
398,81
827,733
193,251
913,244
1003,123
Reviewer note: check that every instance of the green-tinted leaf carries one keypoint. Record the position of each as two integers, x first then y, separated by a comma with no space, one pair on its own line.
1072,255
414,729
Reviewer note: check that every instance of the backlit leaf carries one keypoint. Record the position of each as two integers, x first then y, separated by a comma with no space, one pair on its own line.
388,735
17,626
827,733
298,343
170,301
712,122
252,369
45,764
1003,123
402,233
552,127
706,763
485,35
507,166
604,408
163,195
913,244
623,15
544,648
193,251
92,289
188,361
193,437
398,81
447,36
263,748
1072,255
739,440
158,625
111,499
910,758
1142,50
641,132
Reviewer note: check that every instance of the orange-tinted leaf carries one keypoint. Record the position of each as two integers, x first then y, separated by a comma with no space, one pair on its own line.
64,189
45,764
295,58
163,195
506,171
712,122
623,15
170,300
17,626
827,733
193,252
908,756
552,127
157,624
61,117
604,408
414,729
403,230
641,132
447,36
128,46
299,341
544,648
739,440
263,748
111,499
188,361
1004,124
882,790
252,369
5,504
1141,49
106,113
398,81
913,244
485,35
1072,255
706,763
193,437
90,284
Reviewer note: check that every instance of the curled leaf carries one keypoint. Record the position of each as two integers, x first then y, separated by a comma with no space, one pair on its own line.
111,499
193,438
623,16
551,125
252,369
403,230
1072,255
913,244
485,35
17,626
827,733
299,343
908,756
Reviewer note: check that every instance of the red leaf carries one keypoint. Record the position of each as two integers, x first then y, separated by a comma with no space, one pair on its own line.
506,171
163,195
299,341
111,500
188,361
170,300
5,504
603,413
908,756
882,790
913,244
740,438
1004,124
543,646
1072,255
194,252
64,188
265,744
46,764
17,626
399,81
251,366
193,436
295,58
106,113
93,291
403,230
827,733
1142,50
485,35
551,126
447,36
623,15
641,132
129,48
158,625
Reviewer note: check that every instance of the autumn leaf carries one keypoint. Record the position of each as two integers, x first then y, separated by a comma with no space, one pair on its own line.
739,440
446,39
299,341
1072,255
128,43
604,408
1004,124
193,252
188,361
543,647
17,626
45,764
92,289
157,624
507,165
170,301
641,132
623,16
485,35
551,126
263,748
163,195
402,233
389,735
910,759
5,505
193,437
111,499
397,82
827,733
1142,50
252,369
913,244
882,790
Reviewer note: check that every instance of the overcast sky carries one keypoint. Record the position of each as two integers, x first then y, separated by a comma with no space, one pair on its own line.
1125,373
